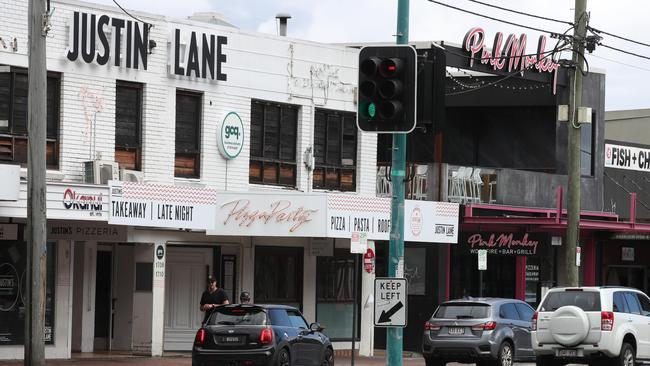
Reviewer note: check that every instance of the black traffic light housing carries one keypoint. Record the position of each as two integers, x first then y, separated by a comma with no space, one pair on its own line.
387,89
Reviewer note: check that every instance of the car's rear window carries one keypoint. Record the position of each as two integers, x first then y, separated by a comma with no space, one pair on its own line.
585,300
238,316
462,311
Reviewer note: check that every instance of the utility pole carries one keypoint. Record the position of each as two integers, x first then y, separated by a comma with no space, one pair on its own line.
394,335
575,101
36,186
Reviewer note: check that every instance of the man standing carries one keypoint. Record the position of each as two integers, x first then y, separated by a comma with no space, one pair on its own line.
213,297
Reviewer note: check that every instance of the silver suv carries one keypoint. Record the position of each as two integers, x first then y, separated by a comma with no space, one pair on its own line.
592,325
485,330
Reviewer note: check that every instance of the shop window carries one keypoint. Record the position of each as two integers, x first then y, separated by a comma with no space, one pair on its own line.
13,116
13,267
335,294
335,150
278,275
273,143
128,124
188,136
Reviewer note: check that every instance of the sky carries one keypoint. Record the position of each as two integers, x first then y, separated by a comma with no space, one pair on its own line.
347,21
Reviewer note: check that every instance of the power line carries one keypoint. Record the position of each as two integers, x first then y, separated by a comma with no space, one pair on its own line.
594,30
129,14
626,190
492,18
624,51
620,63
521,12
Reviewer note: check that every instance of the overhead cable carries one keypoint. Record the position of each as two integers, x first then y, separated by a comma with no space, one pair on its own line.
521,12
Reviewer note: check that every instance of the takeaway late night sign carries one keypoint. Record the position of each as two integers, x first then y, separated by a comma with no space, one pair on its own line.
510,54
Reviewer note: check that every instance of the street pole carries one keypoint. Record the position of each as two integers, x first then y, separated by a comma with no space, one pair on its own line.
575,101
354,307
397,173
36,187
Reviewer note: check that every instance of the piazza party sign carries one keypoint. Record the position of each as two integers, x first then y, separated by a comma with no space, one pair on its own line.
627,157
263,214
156,205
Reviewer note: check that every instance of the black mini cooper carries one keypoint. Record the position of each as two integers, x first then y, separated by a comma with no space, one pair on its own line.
250,335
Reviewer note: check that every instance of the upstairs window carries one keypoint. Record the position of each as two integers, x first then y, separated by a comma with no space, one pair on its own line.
335,150
13,116
273,143
128,124
188,136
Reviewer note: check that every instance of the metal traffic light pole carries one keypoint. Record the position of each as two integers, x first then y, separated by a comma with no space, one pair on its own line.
394,336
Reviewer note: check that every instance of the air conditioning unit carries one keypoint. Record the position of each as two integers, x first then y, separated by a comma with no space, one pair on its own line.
127,175
100,171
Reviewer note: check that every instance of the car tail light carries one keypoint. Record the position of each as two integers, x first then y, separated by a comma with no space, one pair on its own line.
534,325
485,326
200,337
431,326
606,320
267,336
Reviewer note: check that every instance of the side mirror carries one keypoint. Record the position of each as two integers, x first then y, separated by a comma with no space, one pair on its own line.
315,327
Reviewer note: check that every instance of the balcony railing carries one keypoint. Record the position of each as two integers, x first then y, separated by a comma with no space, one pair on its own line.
462,184
416,184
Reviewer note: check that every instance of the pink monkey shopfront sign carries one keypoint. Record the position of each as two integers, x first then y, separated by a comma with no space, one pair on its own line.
510,54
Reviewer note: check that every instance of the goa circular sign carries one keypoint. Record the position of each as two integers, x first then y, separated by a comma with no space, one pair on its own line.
230,138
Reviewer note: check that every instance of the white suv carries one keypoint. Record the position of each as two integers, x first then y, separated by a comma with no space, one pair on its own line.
592,325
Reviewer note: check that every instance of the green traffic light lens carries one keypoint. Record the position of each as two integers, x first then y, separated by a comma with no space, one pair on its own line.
372,110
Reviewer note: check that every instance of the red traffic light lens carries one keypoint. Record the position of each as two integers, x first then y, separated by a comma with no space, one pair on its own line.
391,67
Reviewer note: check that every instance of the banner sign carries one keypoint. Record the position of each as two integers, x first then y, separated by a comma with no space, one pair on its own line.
424,221
627,157
504,243
86,231
139,204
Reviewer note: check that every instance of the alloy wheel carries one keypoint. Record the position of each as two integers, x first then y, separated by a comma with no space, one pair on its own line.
505,357
328,360
628,357
283,358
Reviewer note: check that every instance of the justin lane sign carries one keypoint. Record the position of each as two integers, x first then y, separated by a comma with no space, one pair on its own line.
161,206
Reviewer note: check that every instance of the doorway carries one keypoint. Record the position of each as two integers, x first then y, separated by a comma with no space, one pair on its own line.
630,276
278,275
103,303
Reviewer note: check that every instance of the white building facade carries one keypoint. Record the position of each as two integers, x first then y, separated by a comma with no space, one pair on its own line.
177,150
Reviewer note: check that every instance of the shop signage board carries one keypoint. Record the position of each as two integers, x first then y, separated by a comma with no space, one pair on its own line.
266,214
140,204
504,243
230,139
86,231
424,221
391,302
627,254
627,158
65,201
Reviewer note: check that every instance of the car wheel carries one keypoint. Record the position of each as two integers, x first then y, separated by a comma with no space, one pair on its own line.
506,355
328,358
283,358
627,356
433,361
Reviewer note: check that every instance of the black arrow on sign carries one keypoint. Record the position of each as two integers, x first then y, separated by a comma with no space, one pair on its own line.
385,315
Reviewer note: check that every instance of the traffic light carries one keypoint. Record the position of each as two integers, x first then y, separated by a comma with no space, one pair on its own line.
387,89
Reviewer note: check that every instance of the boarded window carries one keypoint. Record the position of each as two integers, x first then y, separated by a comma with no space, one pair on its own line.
13,116
335,150
188,134
128,117
273,143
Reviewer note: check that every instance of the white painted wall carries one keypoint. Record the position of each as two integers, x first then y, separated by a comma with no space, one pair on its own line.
142,306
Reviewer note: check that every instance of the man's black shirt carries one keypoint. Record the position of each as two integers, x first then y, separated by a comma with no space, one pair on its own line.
218,297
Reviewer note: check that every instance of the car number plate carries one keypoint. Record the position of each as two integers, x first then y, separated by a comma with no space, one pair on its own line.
456,331
230,339
567,353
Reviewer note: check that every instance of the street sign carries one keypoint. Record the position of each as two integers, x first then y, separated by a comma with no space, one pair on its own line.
482,259
359,242
391,302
